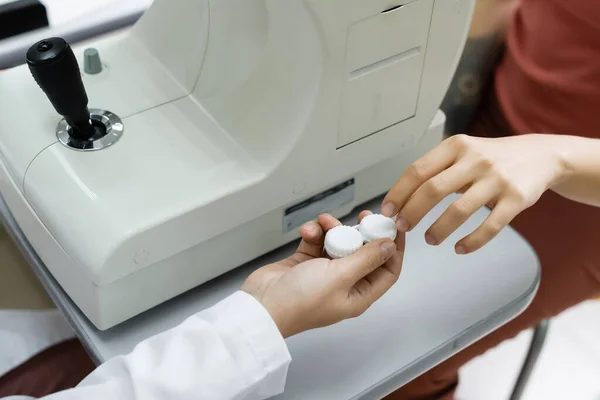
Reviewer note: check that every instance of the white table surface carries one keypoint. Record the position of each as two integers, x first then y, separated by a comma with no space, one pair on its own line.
441,304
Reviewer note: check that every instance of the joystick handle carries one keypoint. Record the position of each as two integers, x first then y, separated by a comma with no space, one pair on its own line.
55,69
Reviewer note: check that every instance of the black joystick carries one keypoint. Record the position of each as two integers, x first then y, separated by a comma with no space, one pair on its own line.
55,69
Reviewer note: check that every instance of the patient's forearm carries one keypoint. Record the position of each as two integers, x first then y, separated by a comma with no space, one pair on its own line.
580,158
479,59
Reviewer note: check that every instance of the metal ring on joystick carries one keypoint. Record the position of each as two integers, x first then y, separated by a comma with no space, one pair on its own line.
54,67
107,127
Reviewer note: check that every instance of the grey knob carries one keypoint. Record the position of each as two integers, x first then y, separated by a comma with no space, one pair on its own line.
91,62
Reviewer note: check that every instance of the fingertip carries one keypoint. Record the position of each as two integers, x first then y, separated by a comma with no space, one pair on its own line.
431,240
310,226
310,230
461,249
471,243
328,222
363,214
402,224
388,208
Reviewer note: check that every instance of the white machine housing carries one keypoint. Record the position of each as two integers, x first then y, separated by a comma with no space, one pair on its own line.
243,119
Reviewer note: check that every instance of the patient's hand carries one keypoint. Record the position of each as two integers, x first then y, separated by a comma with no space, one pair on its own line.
507,174
307,291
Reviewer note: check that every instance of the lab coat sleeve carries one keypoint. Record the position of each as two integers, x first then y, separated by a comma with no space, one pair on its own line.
230,351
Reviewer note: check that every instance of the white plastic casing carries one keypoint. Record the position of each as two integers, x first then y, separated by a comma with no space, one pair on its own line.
233,111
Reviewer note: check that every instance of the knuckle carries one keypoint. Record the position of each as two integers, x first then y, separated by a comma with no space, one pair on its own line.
374,258
486,164
460,209
417,170
355,311
520,196
394,278
434,188
493,228
346,276
460,140
503,179
362,308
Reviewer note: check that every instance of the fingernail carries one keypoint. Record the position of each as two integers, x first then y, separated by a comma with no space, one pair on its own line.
388,248
388,209
402,224
432,241
461,250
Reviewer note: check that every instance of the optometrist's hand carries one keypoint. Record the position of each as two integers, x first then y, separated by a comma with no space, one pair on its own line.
307,290
506,174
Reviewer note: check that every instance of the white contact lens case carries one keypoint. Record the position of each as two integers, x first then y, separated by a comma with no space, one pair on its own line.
377,226
343,241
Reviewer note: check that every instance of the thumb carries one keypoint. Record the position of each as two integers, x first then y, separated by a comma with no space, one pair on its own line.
366,260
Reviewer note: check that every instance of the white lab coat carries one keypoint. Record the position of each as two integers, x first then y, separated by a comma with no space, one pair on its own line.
25,333
230,351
